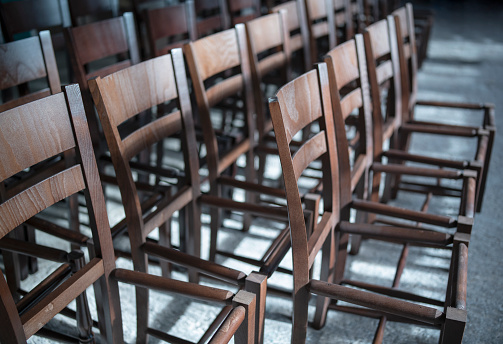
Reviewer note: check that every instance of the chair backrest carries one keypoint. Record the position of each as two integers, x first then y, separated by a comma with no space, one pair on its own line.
27,15
211,17
406,52
321,27
301,102
27,60
222,54
241,11
97,41
181,29
349,90
98,49
269,48
87,11
384,77
297,27
123,95
343,20
32,133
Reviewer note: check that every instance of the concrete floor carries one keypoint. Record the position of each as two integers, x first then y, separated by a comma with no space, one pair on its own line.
465,63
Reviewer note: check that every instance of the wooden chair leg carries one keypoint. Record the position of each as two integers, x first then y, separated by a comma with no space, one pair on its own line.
142,315
12,271
300,315
193,235
84,320
215,215
453,328
246,332
256,283
165,241
327,274
13,333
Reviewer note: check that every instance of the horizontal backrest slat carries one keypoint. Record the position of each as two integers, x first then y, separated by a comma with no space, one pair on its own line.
149,134
50,133
26,15
264,33
292,15
174,17
384,72
33,200
302,106
311,150
224,89
22,61
107,38
128,92
25,99
351,101
223,50
380,38
345,63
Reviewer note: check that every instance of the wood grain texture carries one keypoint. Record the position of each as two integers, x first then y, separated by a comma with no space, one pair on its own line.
33,200
297,98
33,133
222,44
39,315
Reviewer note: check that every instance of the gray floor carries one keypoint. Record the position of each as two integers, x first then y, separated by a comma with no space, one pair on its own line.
465,63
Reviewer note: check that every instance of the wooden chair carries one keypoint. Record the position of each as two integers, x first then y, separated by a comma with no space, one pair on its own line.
343,17
87,11
27,15
270,55
423,22
241,11
349,90
313,104
382,72
321,28
21,63
380,40
299,36
32,16
211,17
181,29
483,135
27,60
204,61
45,128
98,49
123,95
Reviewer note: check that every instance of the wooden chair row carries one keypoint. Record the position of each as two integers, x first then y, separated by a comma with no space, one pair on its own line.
236,36
49,127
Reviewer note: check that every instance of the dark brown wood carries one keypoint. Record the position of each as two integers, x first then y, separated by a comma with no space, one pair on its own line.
27,60
26,15
87,11
241,11
402,29
112,38
205,59
269,51
47,129
212,16
181,29
312,95
119,97
321,27
297,27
